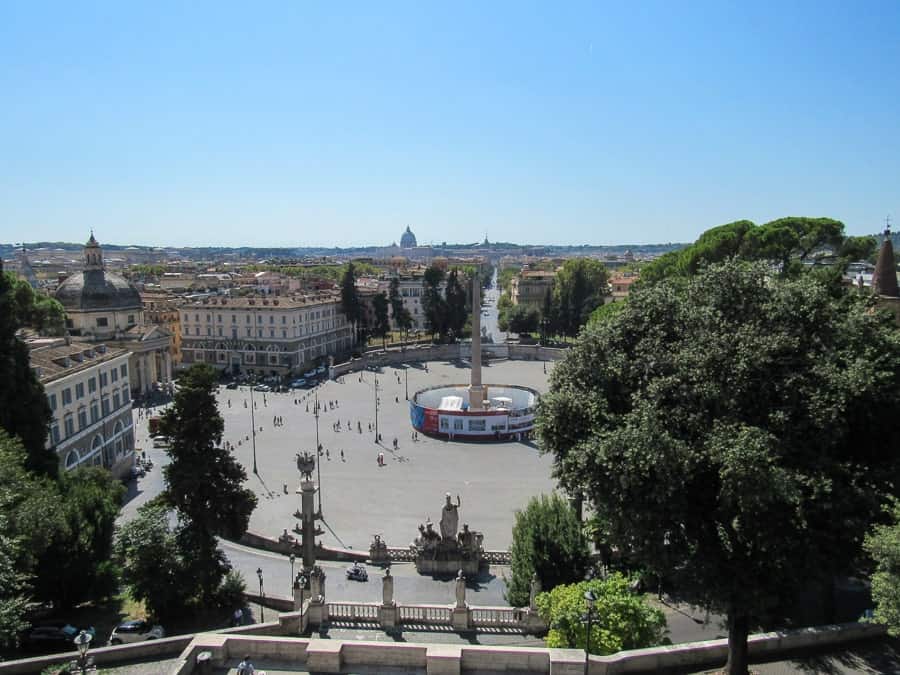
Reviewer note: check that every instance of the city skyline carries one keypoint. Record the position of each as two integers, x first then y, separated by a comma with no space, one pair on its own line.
222,125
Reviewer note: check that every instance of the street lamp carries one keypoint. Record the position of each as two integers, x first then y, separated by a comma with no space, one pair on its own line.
406,374
262,609
589,598
376,407
83,642
292,559
253,423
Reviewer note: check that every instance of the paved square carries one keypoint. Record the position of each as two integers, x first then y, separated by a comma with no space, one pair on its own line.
359,497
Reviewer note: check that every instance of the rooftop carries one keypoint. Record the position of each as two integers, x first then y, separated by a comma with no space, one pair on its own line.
53,358
282,302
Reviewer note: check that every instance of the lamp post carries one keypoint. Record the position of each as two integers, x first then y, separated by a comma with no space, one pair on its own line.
589,598
406,374
253,424
318,451
376,408
292,559
262,609
82,642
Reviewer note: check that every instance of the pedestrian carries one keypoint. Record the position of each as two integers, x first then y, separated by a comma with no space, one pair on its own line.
237,617
245,667
342,454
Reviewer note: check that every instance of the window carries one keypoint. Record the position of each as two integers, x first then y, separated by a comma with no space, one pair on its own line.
131,319
72,459
66,396
219,328
126,396
124,370
249,332
219,318
104,406
114,374
458,424
271,332
271,319
69,425
79,391
82,418
209,331
54,433
476,425
196,318
116,400
248,318
92,385
283,319
233,318
209,318
445,424
102,322
95,411
187,330
258,319
52,399
103,380
283,333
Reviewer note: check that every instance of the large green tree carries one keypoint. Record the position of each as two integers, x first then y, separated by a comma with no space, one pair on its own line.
521,319
580,286
24,411
351,305
153,567
14,567
733,432
455,305
433,303
382,323
547,540
622,618
402,317
883,545
204,482
792,244
77,564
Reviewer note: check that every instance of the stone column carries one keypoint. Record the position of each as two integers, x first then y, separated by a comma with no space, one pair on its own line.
460,616
308,515
387,613
476,391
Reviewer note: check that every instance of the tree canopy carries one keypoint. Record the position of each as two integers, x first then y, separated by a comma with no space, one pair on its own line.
24,411
733,431
546,540
433,303
578,290
204,482
382,324
789,243
622,619
883,545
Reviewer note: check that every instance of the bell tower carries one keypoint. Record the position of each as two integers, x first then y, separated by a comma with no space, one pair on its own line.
93,255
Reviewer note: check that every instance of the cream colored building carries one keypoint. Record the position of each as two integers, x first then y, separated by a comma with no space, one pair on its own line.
89,391
104,307
264,335
529,288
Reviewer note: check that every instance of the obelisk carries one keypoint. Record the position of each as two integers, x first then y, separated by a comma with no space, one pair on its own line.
476,390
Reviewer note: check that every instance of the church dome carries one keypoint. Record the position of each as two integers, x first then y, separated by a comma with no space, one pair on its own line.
94,288
408,240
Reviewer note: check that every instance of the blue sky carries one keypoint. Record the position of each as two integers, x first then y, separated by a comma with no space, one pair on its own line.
290,123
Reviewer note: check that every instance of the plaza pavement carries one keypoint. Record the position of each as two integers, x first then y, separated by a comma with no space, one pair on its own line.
360,498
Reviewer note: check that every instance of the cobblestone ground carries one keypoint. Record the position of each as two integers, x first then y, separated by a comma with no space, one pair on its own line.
359,497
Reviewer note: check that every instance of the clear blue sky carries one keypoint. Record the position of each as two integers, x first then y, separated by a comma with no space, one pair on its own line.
266,123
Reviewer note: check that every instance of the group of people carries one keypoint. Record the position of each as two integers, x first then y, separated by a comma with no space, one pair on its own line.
278,421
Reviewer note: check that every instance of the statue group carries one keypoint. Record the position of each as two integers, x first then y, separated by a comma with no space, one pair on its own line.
451,549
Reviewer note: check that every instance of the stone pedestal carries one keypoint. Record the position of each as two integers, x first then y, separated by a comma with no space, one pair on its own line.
388,615
448,567
460,618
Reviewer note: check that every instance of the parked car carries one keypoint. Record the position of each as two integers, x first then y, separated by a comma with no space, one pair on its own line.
262,387
51,636
357,572
299,382
231,385
320,370
160,442
310,373
136,630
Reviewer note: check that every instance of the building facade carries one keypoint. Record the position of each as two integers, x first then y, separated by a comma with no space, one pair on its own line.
89,391
529,288
264,335
104,307
161,309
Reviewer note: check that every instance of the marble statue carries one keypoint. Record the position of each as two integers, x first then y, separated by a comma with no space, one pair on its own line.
450,518
387,588
460,589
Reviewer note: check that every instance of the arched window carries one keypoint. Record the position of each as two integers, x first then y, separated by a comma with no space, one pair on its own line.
119,442
97,443
72,458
